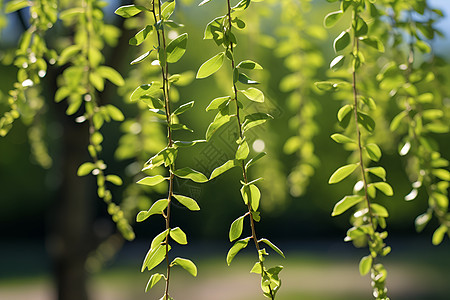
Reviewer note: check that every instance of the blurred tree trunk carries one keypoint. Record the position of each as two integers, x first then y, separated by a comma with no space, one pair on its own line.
71,230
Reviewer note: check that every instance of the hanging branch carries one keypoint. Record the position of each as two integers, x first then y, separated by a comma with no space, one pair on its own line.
151,95
220,30
370,216
422,112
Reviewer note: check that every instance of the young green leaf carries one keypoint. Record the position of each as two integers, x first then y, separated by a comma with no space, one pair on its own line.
254,159
159,239
379,210
342,173
238,246
373,151
271,245
186,264
250,193
242,151
153,280
219,121
223,168
438,235
366,121
236,228
111,74
152,180
190,203
243,78
191,174
211,66
114,179
374,42
342,41
344,111
255,119
157,208
378,171
422,220
154,257
346,203
337,62
85,169
141,58
249,65
167,9
217,103
384,187
176,48
365,265
127,11
178,236
256,268
183,108
342,139
332,18
253,94
140,37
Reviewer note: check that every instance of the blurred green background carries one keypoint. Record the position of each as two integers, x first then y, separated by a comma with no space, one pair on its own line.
318,265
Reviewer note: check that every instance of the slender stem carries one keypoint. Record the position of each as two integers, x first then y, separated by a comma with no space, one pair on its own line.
241,135
165,90
358,132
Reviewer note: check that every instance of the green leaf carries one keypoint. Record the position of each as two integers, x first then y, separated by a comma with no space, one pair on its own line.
176,48
255,119
148,92
16,5
396,121
373,151
422,221
204,2
242,151
250,193
253,94
166,156
178,126
154,257
378,171
223,168
85,169
115,113
243,78
249,65
344,111
140,37
183,108
442,174
271,245
438,235
153,280
97,81
114,179
167,9
238,246
159,239
342,173
217,103
157,208
236,228
188,143
379,210
342,139
342,41
128,11
346,203
178,236
365,265
190,203
361,27
337,62
186,264
332,18
152,180
218,122
384,187
191,174
256,268
374,42
141,58
366,121
254,159
211,66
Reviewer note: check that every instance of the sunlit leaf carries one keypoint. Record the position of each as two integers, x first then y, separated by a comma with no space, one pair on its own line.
191,174
346,203
253,94
365,265
186,264
157,208
178,235
153,280
342,41
342,173
271,245
190,203
238,246
176,48
223,168
236,228
211,66
152,180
